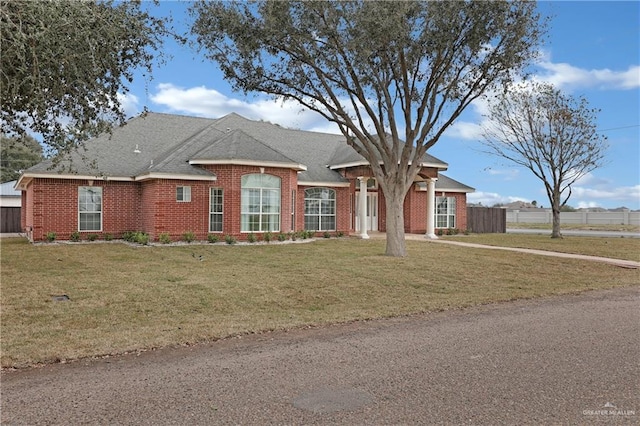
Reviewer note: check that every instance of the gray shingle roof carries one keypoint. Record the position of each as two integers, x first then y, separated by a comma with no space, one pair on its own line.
156,143
446,184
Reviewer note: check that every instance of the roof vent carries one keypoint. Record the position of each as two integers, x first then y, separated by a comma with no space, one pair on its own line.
228,129
137,150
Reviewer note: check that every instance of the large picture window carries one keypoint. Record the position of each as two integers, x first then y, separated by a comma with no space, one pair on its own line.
215,210
320,209
260,209
445,212
89,208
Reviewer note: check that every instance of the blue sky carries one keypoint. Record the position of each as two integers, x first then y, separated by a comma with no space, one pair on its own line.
592,50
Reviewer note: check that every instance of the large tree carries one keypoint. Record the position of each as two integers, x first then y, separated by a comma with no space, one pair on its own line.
64,65
550,133
393,76
17,154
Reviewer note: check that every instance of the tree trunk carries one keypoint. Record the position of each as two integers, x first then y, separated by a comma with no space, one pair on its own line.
555,229
396,245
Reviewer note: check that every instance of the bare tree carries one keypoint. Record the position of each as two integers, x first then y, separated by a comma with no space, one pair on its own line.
550,133
392,75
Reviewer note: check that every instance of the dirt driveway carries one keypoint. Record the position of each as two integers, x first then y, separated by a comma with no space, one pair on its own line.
570,359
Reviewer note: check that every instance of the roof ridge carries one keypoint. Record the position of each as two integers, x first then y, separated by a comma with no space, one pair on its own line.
166,157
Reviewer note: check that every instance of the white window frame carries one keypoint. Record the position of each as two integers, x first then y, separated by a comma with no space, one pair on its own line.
322,202
445,214
183,194
213,212
262,193
83,206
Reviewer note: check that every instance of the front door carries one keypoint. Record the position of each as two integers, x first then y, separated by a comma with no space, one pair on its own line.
372,211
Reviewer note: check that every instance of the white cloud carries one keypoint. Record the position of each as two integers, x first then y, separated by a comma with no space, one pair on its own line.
129,104
566,76
204,102
505,174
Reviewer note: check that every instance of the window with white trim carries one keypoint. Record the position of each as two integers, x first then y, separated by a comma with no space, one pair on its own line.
445,212
183,194
260,203
320,209
90,208
215,209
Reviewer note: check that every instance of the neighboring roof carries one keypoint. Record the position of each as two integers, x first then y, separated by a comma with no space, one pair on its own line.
446,184
156,145
7,189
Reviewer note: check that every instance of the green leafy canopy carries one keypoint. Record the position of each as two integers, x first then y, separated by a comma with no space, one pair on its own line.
65,63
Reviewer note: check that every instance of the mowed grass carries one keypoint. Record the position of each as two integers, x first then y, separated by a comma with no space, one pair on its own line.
576,226
616,248
125,298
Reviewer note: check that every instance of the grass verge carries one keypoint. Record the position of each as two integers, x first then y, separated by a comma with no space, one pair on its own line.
125,298
576,227
615,248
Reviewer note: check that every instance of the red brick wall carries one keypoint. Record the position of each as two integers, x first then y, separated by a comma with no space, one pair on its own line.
51,205
229,178
343,209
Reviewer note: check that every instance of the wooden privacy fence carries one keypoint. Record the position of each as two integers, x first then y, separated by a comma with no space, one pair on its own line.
9,219
486,220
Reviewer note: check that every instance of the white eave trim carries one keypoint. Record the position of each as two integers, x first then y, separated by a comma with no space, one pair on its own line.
174,176
439,166
257,163
326,184
25,178
448,190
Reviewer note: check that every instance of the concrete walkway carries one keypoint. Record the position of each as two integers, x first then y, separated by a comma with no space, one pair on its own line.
617,262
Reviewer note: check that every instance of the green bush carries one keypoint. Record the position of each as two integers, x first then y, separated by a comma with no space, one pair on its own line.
213,238
51,236
75,236
92,237
188,237
326,234
340,234
164,238
252,237
282,237
129,236
267,236
141,238
108,237
230,239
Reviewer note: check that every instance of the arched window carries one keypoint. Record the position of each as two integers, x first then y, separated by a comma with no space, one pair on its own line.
260,209
320,209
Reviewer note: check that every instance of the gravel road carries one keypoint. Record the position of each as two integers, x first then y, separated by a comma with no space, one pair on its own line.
570,359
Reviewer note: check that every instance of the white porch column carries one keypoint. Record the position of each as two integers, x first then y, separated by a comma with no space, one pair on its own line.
362,208
431,209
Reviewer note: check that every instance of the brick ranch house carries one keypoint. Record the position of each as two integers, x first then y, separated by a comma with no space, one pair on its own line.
163,173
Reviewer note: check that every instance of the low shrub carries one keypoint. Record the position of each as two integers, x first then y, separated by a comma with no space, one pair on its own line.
108,237
188,237
267,236
92,237
326,234
75,237
230,239
213,238
282,237
252,237
141,238
340,234
164,238
51,236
